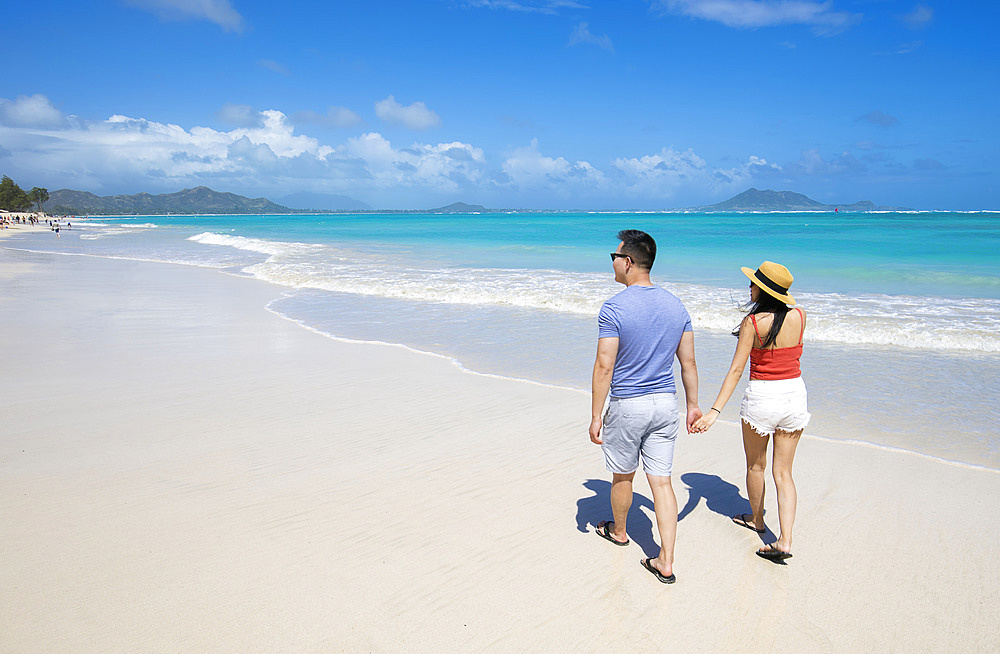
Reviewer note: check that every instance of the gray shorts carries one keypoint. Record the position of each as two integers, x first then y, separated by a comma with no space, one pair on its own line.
644,426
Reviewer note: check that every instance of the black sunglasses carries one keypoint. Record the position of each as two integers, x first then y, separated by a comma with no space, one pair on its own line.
616,255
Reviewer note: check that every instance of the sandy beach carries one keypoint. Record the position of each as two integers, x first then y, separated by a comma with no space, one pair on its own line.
183,470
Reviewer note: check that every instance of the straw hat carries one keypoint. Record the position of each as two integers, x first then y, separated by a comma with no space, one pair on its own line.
772,278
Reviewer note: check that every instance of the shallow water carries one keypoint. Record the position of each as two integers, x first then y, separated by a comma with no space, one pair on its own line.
903,344
908,399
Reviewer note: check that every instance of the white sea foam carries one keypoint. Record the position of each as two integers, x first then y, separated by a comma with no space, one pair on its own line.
872,319
255,244
112,230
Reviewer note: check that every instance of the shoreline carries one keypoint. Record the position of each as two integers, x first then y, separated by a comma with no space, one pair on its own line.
843,408
610,212
14,229
523,380
188,470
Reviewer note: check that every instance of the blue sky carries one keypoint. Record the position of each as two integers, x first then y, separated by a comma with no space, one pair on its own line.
548,104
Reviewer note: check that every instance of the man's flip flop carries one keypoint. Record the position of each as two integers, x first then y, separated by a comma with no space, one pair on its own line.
605,533
647,563
772,553
742,521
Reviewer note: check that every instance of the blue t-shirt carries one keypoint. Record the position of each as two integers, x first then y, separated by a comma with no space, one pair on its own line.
648,322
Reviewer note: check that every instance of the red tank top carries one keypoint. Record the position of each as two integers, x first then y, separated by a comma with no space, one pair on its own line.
778,362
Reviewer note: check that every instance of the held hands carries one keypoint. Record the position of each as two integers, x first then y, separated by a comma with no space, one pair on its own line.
693,414
696,423
705,422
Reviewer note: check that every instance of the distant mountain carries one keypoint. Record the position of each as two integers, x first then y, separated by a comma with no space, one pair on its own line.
203,200
189,201
754,200
322,202
460,207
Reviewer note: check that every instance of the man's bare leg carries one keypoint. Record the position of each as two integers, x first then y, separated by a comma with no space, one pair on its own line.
621,502
665,507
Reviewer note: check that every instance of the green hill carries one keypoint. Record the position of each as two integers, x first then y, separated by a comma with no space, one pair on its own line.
754,200
198,200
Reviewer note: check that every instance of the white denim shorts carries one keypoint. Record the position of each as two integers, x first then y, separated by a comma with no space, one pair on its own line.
643,427
770,404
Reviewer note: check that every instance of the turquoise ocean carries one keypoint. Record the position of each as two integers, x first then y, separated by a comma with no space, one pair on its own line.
902,349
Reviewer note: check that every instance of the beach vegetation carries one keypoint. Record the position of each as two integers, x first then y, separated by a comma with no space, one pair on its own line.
12,197
38,196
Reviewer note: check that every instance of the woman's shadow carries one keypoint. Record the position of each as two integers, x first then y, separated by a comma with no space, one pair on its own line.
720,497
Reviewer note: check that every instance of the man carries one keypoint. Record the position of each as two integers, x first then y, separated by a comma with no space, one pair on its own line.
639,331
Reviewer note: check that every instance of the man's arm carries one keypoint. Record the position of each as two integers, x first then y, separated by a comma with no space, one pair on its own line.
604,367
743,347
689,377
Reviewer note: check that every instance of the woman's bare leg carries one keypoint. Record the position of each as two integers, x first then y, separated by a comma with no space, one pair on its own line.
781,468
755,447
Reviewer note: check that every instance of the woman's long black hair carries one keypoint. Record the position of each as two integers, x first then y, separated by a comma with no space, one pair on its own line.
766,303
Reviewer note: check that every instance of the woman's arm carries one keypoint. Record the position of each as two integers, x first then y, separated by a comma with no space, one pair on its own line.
743,347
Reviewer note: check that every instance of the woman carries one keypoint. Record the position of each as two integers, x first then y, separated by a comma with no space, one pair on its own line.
774,404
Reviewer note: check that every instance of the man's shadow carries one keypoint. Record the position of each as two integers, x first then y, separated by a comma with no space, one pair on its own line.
720,497
597,508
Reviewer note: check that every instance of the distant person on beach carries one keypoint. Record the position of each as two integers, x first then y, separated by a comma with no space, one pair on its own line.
774,403
640,330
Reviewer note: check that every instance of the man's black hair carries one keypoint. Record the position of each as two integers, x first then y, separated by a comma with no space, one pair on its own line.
639,246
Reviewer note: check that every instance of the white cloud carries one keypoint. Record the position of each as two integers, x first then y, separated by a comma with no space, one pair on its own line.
529,168
542,6
664,170
812,163
582,35
334,117
653,179
273,66
277,133
415,116
220,12
903,48
920,17
755,168
258,156
30,111
671,173
264,157
239,115
441,167
879,118
764,13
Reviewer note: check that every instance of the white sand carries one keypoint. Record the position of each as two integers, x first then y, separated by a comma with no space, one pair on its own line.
181,470
19,228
